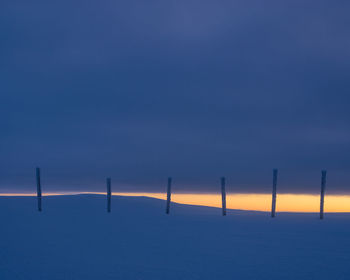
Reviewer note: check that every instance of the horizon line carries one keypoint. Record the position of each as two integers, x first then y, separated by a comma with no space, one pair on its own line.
301,203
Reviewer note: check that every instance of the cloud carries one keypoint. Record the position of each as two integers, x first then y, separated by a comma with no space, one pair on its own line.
195,89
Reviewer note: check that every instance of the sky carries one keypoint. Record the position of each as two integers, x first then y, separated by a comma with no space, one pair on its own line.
142,90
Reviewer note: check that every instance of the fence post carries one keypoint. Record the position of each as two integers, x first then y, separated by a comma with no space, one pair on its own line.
38,188
323,189
109,194
223,196
168,196
274,193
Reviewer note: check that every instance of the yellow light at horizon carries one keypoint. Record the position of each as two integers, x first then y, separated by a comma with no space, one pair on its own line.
256,202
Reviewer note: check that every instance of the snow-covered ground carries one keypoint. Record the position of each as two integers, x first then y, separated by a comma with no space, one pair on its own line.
75,238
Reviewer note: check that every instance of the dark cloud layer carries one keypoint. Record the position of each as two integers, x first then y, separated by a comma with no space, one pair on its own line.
191,89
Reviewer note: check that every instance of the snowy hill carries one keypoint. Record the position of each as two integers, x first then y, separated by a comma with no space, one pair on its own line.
75,238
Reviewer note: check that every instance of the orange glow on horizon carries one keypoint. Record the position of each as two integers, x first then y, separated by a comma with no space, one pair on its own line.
242,201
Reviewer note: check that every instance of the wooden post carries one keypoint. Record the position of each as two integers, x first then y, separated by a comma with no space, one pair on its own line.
323,189
109,194
168,199
38,188
274,193
223,196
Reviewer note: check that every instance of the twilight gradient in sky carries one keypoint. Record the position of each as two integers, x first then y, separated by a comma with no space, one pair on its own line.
142,90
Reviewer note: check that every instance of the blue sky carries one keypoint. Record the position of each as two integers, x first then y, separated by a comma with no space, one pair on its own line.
191,89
